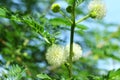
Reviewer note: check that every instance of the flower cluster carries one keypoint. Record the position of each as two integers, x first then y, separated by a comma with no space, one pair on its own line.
57,55
77,51
97,9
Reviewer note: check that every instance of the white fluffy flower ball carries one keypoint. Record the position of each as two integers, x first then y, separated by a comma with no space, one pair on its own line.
55,55
97,9
77,51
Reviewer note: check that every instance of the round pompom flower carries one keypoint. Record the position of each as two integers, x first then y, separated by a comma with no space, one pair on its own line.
77,51
55,7
97,9
55,55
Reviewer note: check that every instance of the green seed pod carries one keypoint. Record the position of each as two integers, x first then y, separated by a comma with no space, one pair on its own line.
55,8
69,9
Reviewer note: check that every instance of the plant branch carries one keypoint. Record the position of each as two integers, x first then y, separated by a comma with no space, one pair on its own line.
71,40
82,19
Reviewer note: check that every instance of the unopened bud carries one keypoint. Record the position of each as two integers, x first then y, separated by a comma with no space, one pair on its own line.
69,9
55,8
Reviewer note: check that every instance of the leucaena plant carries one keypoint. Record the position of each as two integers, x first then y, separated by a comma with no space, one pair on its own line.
56,55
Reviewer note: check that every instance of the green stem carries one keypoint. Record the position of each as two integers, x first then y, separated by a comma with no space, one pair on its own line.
71,39
73,24
82,19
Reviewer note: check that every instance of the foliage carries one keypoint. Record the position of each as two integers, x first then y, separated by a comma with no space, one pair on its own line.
43,76
13,73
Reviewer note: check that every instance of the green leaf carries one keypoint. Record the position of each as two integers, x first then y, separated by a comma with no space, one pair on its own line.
70,1
14,72
2,12
33,23
113,56
78,2
93,77
43,76
15,18
59,21
82,27
114,74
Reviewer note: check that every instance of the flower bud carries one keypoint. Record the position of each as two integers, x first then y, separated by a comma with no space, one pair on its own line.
69,9
55,8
